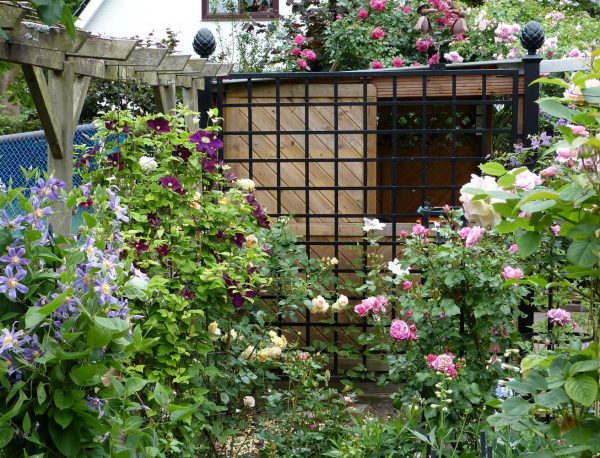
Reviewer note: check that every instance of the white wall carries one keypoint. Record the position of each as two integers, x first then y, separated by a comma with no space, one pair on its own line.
128,18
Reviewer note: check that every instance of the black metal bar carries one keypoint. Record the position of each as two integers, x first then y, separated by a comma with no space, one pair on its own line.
336,209
205,102
250,129
531,109
355,75
307,190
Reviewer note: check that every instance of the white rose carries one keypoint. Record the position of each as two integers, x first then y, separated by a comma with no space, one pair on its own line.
213,328
249,402
245,185
148,163
319,305
340,304
481,211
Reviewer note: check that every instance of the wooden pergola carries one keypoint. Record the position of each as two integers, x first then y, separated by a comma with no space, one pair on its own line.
58,69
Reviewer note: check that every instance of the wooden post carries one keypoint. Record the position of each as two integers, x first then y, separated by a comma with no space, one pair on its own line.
165,97
190,100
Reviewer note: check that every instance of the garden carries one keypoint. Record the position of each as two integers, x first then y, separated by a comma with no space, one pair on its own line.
162,325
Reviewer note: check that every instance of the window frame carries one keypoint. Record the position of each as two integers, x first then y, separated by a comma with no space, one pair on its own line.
273,13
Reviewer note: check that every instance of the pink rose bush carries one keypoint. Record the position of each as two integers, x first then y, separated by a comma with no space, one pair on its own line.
560,317
375,305
400,330
443,364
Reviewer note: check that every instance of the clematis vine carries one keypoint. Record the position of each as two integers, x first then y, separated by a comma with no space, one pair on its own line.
10,282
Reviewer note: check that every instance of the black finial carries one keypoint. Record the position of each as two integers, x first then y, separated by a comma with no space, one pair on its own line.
204,43
532,37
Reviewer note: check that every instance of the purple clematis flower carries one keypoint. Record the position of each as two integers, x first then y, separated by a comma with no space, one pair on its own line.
207,142
108,263
163,250
15,257
188,294
122,310
238,240
86,189
35,218
110,125
83,278
105,290
116,160
261,217
12,224
32,350
209,165
172,183
154,220
140,246
14,373
48,188
10,283
97,404
11,339
159,125
182,153
535,143
115,205
546,139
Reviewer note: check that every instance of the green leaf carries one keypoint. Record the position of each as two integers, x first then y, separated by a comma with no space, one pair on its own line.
522,387
41,393
62,400
507,227
582,389
583,366
98,337
160,395
36,315
552,399
507,180
584,253
538,206
6,434
516,407
90,220
68,441
115,325
493,168
63,417
26,423
555,108
591,94
49,12
88,375
572,451
134,384
529,243
15,409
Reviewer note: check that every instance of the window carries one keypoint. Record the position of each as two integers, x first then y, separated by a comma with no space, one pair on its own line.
227,9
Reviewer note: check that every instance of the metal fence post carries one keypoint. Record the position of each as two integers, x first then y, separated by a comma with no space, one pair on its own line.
532,38
205,101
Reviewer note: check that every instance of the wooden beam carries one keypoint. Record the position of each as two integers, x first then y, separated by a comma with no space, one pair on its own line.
195,65
11,16
107,48
20,54
190,100
211,69
40,93
150,78
80,89
165,97
142,56
173,63
88,67
36,35
117,72
225,70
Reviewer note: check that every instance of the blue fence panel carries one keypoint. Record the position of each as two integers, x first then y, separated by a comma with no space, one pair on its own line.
30,150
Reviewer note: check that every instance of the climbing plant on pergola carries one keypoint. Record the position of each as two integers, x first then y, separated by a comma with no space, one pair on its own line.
59,66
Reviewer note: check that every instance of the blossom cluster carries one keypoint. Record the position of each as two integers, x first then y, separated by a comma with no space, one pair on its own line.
560,317
375,305
303,54
443,363
401,330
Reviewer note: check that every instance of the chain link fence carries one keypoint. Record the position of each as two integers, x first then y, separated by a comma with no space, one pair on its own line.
30,150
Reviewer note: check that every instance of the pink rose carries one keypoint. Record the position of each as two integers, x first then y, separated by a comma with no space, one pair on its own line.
514,248
407,284
549,172
403,234
423,44
399,330
527,180
474,236
309,54
565,155
435,59
512,272
464,232
338,17
555,229
376,65
397,62
362,309
378,5
363,14
443,364
295,51
378,33
578,130
406,9
419,230
446,208
302,64
299,39
559,317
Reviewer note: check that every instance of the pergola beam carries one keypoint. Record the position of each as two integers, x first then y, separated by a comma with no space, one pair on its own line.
21,54
100,48
151,57
36,35
172,63
11,16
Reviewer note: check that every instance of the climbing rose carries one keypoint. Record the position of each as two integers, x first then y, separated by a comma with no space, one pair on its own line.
512,272
560,317
295,51
378,33
400,330
302,64
481,211
406,9
423,44
397,62
363,14
444,364
527,180
378,5
376,65
299,39
309,54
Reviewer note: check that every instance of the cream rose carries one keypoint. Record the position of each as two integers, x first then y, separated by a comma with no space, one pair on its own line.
481,211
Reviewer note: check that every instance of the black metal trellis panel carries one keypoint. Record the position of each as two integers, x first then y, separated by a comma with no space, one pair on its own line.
434,128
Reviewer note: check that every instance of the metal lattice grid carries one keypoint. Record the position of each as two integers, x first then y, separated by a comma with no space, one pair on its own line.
332,148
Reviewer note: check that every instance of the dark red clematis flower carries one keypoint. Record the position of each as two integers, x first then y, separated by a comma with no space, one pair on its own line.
116,160
126,128
110,125
154,220
159,125
238,240
182,152
163,250
87,203
188,294
140,246
210,165
207,142
261,217
172,183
